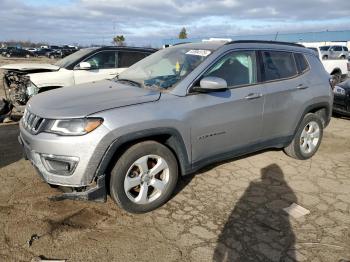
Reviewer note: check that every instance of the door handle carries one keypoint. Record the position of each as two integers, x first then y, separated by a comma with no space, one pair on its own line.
301,86
253,96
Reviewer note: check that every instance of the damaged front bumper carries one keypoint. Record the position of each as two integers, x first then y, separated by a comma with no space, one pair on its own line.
69,167
96,191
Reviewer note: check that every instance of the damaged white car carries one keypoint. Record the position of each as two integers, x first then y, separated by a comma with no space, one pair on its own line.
22,81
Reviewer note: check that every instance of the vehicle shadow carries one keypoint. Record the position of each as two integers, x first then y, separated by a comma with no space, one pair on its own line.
258,229
10,149
185,180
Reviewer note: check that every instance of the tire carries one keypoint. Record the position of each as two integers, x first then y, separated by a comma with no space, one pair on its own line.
132,174
27,56
306,143
52,57
343,57
8,55
325,57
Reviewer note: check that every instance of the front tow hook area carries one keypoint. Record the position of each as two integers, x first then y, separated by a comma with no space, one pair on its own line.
97,193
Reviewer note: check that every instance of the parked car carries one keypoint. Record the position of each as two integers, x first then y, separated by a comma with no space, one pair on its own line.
42,51
337,68
61,53
22,81
54,54
334,52
2,51
18,52
173,113
341,103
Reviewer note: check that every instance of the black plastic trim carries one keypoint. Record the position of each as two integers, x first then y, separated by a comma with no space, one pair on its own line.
175,142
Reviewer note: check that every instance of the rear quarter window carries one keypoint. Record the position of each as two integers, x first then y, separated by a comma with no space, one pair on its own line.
278,65
301,63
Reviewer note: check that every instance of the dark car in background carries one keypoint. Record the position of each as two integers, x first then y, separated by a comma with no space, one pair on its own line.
18,52
42,51
61,53
341,104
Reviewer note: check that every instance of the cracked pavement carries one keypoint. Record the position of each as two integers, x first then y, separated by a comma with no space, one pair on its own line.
231,211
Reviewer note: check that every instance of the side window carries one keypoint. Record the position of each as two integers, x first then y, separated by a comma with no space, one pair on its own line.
301,62
278,65
337,48
345,49
102,60
126,59
237,68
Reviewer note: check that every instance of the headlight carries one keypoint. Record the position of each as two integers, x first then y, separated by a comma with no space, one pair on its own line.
338,90
31,89
74,127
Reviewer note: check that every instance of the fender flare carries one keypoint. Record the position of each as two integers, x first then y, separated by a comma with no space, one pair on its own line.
311,108
174,142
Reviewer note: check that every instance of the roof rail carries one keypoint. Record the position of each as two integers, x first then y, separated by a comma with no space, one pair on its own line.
263,42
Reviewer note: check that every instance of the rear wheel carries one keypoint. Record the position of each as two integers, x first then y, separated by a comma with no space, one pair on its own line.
144,177
325,57
52,56
307,139
8,55
343,57
27,56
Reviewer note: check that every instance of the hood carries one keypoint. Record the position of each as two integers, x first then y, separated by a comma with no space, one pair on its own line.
30,67
82,100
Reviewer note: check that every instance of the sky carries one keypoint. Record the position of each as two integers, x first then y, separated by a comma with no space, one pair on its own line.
148,22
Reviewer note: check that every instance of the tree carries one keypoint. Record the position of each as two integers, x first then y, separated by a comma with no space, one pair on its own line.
183,33
119,40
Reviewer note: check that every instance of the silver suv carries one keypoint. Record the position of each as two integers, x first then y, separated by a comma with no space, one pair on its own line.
334,52
173,113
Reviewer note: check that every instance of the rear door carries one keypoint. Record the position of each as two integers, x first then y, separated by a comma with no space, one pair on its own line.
128,58
286,91
103,66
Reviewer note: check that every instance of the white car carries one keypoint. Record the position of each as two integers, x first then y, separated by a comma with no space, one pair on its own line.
334,67
22,81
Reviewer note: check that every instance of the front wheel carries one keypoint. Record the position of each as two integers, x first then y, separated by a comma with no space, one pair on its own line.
307,139
144,177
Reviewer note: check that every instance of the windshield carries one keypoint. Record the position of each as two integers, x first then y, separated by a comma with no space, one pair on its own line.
73,57
165,68
324,48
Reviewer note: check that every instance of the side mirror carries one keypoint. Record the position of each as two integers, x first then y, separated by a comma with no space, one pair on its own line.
211,84
84,66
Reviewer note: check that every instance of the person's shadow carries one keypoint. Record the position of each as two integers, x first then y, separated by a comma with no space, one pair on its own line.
258,228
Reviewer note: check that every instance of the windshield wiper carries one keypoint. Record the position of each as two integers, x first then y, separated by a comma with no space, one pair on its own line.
132,82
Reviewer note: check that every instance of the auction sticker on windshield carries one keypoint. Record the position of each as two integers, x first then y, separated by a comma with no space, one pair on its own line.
199,52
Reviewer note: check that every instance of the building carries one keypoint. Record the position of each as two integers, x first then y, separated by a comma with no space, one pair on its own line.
310,38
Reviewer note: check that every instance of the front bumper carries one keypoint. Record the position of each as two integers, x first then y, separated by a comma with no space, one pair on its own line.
85,151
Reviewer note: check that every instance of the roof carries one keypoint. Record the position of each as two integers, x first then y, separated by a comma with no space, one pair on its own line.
128,48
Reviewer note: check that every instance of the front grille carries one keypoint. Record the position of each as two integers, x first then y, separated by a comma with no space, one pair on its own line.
32,123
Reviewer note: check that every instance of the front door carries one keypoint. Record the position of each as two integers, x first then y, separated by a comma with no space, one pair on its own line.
103,66
228,121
